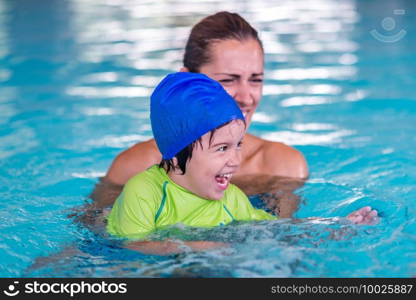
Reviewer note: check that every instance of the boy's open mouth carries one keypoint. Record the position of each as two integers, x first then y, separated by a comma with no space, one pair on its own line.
223,180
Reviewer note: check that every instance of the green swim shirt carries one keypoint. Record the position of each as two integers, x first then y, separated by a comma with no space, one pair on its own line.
151,200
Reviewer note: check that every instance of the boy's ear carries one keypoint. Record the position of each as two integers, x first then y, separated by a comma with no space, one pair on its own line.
175,162
176,168
183,69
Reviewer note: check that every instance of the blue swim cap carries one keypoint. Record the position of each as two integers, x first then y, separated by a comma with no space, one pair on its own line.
185,106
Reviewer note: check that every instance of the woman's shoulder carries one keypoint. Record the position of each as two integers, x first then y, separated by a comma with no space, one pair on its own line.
154,175
135,159
276,158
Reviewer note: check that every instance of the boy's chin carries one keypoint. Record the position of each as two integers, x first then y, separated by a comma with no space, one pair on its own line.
216,196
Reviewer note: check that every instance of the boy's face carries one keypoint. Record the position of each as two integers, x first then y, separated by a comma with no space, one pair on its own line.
209,171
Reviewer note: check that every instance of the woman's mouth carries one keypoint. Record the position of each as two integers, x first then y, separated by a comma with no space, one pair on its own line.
223,180
246,114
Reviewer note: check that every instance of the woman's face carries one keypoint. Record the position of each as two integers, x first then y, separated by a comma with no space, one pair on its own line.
239,67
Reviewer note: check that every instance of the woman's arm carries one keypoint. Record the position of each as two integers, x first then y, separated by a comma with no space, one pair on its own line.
134,160
128,163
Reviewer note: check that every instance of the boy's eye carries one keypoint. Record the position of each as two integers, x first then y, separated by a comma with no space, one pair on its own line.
227,80
222,148
239,144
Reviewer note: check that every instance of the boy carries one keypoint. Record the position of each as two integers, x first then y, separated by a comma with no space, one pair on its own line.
198,129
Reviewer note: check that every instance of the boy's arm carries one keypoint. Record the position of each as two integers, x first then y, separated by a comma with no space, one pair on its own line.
364,216
276,192
241,208
168,247
133,213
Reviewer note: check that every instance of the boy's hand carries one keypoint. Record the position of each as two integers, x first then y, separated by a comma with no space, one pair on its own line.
365,215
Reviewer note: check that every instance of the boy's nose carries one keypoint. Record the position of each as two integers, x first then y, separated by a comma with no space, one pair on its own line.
235,158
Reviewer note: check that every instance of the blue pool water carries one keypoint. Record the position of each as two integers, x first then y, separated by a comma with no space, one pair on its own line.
75,77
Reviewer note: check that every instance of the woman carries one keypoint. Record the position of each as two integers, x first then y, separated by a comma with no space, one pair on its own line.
226,48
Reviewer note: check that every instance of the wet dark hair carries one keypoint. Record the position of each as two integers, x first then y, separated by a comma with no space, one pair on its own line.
218,27
185,154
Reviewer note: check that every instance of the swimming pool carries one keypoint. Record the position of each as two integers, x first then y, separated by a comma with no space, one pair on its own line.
75,77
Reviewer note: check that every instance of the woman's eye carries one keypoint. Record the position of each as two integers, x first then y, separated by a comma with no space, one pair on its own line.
257,80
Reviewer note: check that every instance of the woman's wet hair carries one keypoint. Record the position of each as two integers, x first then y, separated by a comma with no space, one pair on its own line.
185,154
214,28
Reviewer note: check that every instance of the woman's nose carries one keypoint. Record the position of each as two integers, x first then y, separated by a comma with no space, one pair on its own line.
243,95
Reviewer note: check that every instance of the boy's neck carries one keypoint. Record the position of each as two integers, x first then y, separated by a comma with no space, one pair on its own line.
177,177
181,180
